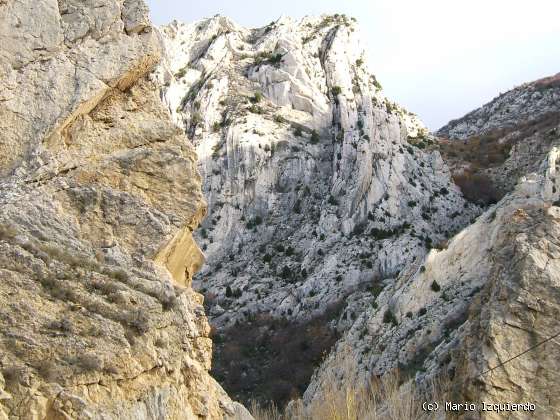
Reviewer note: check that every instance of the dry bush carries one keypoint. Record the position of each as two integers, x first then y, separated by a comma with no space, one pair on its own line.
477,187
7,232
88,362
272,361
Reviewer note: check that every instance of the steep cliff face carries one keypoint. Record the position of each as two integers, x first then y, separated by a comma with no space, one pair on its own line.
320,190
99,195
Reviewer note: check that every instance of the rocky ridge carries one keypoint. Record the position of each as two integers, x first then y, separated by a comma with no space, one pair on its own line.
99,195
528,102
320,190
491,148
323,192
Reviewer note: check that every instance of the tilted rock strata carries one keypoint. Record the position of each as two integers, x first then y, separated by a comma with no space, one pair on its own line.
99,195
320,190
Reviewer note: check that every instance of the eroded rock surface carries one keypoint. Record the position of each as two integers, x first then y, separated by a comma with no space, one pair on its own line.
321,191
99,195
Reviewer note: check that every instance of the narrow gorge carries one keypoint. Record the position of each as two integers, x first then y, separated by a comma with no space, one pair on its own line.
153,177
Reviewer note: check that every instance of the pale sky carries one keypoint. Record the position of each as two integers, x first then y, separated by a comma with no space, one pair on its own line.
438,58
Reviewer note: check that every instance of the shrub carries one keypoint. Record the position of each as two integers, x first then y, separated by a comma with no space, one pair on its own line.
276,59
297,132
89,362
332,201
7,232
64,325
435,286
389,317
257,97
196,118
256,221
286,272
181,73
255,109
336,90
314,137
279,119
216,127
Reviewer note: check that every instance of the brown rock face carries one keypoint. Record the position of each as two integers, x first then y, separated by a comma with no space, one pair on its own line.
99,194
517,310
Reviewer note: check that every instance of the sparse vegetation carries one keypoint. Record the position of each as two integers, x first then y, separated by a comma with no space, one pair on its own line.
255,109
268,57
389,317
391,397
314,137
257,97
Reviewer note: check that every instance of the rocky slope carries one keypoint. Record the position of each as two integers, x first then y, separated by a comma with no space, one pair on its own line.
320,190
99,195
489,295
496,296
496,147
330,204
523,104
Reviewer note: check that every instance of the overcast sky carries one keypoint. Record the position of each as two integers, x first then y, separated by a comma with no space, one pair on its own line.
438,58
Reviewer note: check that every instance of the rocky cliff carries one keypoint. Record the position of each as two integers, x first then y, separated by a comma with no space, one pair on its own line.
321,191
330,204
490,296
99,195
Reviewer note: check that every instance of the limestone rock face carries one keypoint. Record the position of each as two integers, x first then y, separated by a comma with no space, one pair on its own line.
489,295
497,296
321,191
99,194
316,184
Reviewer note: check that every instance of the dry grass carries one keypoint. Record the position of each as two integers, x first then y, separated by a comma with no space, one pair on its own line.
386,398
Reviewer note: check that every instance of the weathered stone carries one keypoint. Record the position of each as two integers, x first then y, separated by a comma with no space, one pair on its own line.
99,196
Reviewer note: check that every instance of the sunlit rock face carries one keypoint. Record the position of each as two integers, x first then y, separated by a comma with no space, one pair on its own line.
316,184
321,192
99,195
524,104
